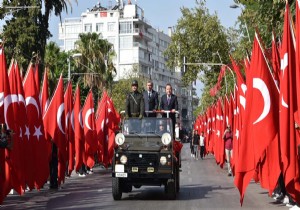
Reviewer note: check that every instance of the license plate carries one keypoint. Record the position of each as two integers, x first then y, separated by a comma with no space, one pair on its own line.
121,174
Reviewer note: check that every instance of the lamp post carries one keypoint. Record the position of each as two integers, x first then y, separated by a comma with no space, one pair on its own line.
76,55
235,6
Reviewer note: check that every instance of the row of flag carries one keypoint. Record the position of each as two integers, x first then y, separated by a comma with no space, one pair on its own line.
263,111
80,133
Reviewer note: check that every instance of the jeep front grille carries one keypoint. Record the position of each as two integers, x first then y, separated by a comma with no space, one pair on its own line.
142,161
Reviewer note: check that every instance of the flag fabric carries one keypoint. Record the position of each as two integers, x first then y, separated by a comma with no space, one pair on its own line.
5,164
261,125
101,129
288,107
68,100
35,131
113,120
56,127
16,124
78,131
89,128
275,59
44,95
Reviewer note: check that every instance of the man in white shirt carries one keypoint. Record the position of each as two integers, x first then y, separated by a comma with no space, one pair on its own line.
202,145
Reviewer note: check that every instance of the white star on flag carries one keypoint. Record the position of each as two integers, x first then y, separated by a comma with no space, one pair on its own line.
237,133
37,132
218,133
27,132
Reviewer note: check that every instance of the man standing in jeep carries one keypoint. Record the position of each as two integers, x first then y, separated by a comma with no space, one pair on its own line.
134,102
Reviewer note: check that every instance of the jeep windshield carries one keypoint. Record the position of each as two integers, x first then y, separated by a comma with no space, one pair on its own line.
146,134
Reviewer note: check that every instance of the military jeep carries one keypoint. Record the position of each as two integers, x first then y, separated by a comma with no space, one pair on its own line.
144,156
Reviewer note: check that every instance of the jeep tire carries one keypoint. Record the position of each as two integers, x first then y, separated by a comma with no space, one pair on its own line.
170,189
116,188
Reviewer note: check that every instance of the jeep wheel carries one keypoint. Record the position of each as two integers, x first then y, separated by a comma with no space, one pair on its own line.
116,188
171,189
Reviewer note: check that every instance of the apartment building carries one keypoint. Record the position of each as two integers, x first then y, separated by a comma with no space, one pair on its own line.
138,46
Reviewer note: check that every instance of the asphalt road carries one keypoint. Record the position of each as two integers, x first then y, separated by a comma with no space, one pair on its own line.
204,185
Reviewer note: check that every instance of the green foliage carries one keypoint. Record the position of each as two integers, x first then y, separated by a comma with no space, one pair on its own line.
95,62
26,32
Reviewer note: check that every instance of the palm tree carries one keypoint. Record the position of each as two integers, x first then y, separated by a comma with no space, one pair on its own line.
96,61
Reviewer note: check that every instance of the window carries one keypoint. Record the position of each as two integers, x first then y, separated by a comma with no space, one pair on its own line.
99,27
73,29
88,27
96,15
111,39
125,27
111,27
125,42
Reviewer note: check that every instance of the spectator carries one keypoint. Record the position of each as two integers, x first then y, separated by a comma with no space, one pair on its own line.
6,138
228,147
202,145
196,144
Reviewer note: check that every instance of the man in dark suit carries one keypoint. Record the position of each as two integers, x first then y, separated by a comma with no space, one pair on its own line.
169,102
150,99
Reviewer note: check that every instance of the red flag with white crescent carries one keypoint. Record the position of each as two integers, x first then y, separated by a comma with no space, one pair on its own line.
68,100
260,127
89,128
56,127
35,131
288,108
78,131
5,164
17,124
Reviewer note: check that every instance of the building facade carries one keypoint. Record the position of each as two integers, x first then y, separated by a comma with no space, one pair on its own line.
138,46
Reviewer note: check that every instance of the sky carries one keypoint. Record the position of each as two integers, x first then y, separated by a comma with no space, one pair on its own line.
160,13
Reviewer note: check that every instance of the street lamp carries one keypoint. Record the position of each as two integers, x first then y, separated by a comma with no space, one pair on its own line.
76,55
235,6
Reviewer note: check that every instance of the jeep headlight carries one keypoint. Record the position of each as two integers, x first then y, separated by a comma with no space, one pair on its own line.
120,139
163,160
166,139
123,159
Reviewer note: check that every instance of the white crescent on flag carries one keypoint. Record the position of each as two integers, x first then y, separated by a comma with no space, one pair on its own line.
59,115
1,98
80,118
9,99
86,118
262,87
72,120
31,100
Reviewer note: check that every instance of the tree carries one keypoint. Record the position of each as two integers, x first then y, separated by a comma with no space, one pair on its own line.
200,38
95,61
27,31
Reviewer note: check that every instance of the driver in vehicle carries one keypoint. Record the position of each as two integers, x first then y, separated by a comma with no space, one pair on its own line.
162,128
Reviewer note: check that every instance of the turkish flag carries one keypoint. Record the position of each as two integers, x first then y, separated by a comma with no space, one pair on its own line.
102,129
5,163
17,124
78,131
288,107
113,120
275,59
56,127
89,128
260,127
44,95
68,100
220,145
37,76
38,146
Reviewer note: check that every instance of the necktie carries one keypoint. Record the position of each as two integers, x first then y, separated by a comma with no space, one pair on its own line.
149,95
168,99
